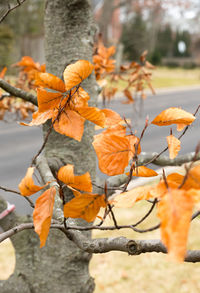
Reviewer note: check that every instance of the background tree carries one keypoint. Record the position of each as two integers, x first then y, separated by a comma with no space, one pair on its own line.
134,37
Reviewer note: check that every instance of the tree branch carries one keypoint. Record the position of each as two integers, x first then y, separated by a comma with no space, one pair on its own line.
18,92
17,192
9,9
132,247
165,160
103,245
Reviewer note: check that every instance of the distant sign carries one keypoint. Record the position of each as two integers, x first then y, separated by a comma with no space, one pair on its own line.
181,47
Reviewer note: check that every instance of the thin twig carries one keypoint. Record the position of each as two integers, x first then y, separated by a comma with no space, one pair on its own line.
11,9
186,128
16,92
135,158
43,145
17,192
147,214
103,228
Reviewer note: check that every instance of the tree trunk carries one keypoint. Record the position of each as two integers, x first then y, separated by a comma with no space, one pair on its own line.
60,266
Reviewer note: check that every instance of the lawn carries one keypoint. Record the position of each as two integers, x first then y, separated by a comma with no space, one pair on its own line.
163,77
117,272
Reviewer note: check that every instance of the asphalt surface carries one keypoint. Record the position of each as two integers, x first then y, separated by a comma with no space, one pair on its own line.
18,144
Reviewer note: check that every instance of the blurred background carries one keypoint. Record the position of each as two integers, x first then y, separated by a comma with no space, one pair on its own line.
169,30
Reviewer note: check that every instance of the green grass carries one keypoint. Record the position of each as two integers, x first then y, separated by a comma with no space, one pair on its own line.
163,77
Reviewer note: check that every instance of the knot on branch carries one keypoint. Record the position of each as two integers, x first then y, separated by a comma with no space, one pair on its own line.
133,248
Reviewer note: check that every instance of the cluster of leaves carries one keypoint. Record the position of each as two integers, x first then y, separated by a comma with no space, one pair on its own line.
25,80
66,104
136,76
28,71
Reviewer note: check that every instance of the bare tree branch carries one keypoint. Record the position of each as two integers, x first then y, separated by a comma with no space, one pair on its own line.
17,192
102,245
18,92
9,8
166,161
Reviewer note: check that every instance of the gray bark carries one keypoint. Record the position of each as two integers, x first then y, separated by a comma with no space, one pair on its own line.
60,266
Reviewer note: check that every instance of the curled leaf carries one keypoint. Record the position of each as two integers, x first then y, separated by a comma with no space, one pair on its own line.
42,214
27,186
81,182
174,146
76,73
173,116
142,171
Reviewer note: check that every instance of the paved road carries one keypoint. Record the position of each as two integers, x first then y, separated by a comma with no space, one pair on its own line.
18,144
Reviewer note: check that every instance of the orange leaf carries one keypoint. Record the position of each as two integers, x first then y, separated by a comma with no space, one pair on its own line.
192,181
180,126
175,212
174,146
129,96
110,51
27,186
43,213
85,206
39,118
134,140
76,73
119,130
92,114
113,153
48,80
3,71
142,171
26,61
127,199
80,98
47,100
81,182
173,116
70,124
112,117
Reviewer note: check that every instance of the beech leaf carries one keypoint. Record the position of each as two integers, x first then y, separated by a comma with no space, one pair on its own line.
113,153
142,171
48,80
27,186
81,182
76,73
70,124
85,206
175,212
42,214
127,199
174,146
173,116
